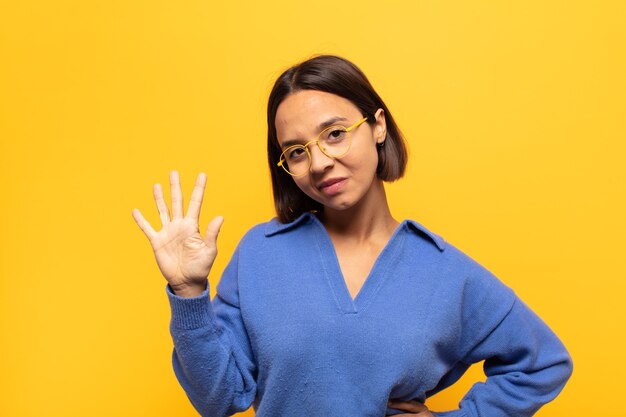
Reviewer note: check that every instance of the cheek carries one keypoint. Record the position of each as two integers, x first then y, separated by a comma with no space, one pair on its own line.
363,163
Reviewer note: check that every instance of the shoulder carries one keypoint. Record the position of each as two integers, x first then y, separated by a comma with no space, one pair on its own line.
467,288
441,251
459,271
454,257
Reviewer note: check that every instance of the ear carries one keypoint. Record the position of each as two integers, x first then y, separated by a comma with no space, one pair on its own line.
380,126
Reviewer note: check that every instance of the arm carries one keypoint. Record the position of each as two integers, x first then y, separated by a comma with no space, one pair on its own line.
525,363
212,357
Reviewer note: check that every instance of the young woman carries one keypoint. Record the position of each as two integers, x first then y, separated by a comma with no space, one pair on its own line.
335,308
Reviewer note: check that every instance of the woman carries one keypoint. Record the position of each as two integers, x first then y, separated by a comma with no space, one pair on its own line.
335,308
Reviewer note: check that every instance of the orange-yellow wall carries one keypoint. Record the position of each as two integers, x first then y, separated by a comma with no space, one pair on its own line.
514,113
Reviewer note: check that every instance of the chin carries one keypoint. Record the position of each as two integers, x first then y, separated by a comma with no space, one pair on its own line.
340,203
336,207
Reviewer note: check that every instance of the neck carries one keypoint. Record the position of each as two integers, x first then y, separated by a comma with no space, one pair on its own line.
369,218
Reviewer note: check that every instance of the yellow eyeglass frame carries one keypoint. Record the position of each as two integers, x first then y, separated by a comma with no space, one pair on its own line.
281,162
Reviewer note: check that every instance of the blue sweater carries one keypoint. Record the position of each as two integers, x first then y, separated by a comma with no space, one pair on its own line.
284,335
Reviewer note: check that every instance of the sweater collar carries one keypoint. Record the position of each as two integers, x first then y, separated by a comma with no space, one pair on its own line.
274,227
419,228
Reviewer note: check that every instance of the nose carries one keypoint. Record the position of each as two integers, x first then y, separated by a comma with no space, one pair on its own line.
319,160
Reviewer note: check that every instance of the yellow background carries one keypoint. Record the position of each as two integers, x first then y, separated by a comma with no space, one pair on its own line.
514,113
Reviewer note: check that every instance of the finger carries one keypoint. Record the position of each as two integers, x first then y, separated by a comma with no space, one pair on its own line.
143,224
164,212
195,203
412,406
212,230
177,195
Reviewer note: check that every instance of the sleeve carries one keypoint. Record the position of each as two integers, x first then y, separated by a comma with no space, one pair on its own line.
212,357
525,363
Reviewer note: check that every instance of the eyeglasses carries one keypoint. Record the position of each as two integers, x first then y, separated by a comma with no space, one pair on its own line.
334,142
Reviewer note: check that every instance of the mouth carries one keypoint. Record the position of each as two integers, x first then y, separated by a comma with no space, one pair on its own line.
332,186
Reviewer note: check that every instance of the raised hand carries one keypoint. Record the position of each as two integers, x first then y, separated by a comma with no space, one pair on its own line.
184,257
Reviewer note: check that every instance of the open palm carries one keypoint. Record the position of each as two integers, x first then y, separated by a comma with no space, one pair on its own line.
184,257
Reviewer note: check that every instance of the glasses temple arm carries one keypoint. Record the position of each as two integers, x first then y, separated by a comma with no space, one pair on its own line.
357,124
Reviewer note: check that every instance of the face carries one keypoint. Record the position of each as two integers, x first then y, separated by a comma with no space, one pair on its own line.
337,183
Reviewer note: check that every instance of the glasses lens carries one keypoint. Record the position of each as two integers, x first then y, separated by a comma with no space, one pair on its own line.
296,160
335,141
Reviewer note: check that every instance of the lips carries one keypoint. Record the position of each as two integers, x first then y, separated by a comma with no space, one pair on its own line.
329,182
332,186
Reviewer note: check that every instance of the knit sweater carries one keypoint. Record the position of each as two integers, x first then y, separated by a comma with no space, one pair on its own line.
284,335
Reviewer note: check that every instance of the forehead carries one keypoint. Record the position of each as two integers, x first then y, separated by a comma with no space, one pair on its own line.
300,113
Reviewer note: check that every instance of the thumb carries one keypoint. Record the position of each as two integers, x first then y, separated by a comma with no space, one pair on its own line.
212,230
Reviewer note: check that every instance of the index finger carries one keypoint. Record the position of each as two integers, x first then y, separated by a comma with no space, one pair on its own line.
195,203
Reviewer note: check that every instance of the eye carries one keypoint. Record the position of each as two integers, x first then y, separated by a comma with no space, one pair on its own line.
335,134
295,153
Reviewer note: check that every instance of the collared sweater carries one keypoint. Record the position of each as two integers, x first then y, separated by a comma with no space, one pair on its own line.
284,335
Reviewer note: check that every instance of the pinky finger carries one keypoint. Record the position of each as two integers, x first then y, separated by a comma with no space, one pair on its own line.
143,224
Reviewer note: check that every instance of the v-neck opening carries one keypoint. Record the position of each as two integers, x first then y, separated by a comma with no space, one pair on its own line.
374,279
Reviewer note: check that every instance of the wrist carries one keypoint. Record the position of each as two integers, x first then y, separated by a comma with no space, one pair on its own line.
189,290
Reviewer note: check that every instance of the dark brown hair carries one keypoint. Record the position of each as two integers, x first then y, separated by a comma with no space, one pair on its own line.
336,75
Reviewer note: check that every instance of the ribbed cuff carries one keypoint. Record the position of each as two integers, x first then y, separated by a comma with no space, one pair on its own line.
190,313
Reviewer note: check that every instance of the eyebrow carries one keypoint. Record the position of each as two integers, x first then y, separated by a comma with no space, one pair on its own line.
320,127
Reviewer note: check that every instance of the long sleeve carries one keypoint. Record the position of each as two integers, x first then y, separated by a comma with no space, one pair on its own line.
212,357
525,363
